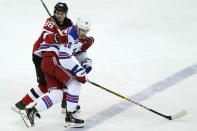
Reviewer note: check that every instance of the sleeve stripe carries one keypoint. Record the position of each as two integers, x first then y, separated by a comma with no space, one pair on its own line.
75,68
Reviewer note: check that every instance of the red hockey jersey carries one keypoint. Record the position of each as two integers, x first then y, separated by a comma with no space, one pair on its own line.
49,27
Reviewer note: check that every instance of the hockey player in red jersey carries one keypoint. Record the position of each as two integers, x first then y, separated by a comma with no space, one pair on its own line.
60,16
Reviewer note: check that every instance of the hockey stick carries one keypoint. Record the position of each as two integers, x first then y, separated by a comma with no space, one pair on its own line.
58,29
172,117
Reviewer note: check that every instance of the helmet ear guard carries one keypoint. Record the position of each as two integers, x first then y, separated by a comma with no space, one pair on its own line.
83,23
61,7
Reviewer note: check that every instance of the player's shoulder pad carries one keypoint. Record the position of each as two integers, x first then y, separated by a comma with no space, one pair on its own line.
68,22
49,25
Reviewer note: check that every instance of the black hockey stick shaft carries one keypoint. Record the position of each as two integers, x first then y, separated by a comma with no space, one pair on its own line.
57,27
127,99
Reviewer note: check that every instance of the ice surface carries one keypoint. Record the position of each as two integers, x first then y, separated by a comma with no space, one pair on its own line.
144,49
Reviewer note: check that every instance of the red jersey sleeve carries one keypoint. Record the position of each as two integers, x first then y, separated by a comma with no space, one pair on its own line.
48,28
87,43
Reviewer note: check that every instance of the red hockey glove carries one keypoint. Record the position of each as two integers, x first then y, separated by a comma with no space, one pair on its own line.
60,39
81,75
81,79
56,38
87,42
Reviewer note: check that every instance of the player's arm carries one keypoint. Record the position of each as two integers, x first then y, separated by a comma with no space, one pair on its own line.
87,43
81,55
70,63
84,60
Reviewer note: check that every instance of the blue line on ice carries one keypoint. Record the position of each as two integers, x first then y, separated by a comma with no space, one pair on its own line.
145,94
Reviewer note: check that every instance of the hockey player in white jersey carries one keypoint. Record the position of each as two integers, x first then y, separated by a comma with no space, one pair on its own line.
65,70
78,32
75,63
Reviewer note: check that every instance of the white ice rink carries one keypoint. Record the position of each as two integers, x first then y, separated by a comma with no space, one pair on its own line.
144,49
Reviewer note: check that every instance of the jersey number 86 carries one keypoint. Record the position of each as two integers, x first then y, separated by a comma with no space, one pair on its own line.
50,24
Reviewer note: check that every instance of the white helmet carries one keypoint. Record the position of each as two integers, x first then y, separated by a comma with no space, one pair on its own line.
83,23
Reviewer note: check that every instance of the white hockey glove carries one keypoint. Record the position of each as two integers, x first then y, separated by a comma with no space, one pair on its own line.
87,65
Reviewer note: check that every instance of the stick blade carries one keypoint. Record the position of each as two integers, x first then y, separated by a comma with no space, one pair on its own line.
178,115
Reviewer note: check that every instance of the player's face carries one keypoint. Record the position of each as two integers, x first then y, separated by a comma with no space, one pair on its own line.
82,33
60,16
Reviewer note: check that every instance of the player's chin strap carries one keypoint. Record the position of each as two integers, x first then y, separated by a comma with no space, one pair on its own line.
171,117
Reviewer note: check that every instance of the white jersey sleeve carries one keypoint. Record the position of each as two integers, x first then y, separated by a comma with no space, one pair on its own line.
47,47
82,56
71,64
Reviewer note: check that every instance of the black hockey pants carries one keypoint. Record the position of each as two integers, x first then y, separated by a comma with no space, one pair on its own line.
40,75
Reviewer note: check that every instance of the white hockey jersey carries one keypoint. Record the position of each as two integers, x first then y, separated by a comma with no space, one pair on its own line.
66,54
